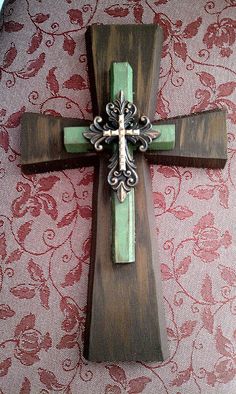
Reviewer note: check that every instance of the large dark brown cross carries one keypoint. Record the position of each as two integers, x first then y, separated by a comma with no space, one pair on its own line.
125,313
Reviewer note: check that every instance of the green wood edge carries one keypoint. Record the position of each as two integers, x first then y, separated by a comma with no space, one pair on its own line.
123,229
123,214
166,141
74,140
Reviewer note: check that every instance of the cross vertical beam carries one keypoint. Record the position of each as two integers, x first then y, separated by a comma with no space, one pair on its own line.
126,320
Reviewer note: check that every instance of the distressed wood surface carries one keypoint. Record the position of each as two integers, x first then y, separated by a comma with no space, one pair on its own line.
126,320
140,46
125,300
42,145
201,141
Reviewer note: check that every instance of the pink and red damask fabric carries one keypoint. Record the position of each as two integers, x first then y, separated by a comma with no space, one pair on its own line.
45,220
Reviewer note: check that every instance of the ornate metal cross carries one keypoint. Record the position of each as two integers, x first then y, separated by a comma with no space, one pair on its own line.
121,123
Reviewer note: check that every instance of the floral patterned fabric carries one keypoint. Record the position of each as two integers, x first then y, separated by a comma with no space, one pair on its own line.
45,220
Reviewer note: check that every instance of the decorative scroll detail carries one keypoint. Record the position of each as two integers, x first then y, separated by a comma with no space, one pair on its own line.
121,126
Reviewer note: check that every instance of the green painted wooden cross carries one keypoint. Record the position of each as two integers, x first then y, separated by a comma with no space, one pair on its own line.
76,139
125,309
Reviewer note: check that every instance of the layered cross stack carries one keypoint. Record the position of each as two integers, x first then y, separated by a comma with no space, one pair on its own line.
125,318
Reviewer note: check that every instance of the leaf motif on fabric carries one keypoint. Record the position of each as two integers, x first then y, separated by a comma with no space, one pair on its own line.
87,179
191,29
15,118
226,89
23,291
49,379
203,96
9,56
12,26
46,183
208,319
166,273
163,106
32,67
3,246
24,231
225,370
73,276
117,12
67,219
86,248
112,389
85,211
6,312
137,385
44,293
69,45
52,82
181,212
206,290
76,17
168,172
183,266
207,80
25,387
4,366
228,274
223,345
117,374
187,328
224,196
182,377
49,205
171,333
159,2
204,222
75,82
4,140
14,256
159,200
202,192
26,323
68,341
138,13
35,42
40,18
180,50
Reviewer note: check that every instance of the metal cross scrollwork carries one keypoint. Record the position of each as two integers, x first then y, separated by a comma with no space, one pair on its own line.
121,123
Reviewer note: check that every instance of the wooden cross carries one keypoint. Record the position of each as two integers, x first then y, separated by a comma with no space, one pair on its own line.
125,316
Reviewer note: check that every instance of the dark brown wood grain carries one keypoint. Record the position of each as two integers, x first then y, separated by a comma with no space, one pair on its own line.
42,147
140,47
126,319
125,300
201,141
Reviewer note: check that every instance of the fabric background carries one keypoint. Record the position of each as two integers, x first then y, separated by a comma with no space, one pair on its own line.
45,220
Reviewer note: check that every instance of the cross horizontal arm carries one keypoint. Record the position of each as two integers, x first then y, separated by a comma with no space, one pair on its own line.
200,141
42,145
